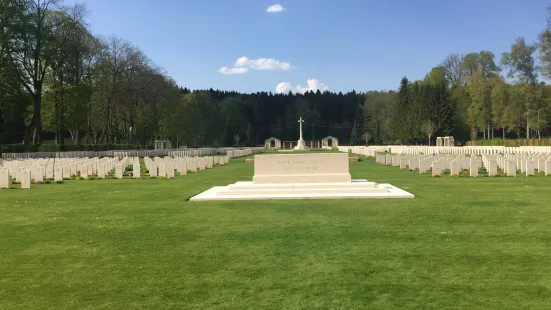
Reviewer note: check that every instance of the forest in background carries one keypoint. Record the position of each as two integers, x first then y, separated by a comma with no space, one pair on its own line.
59,83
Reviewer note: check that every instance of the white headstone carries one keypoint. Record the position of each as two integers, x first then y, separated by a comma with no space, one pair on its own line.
162,169
170,170
26,179
101,171
58,173
119,171
473,169
49,172
136,170
4,179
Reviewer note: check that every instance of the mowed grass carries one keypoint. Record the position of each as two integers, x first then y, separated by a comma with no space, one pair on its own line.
139,244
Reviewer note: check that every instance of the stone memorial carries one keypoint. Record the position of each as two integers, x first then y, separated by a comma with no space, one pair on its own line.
162,169
67,172
297,168
153,170
301,144
473,169
302,176
182,166
4,179
101,171
119,171
136,170
58,174
26,179
511,169
49,172
170,170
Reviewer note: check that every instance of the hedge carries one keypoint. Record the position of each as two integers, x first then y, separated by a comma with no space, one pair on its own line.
511,142
22,148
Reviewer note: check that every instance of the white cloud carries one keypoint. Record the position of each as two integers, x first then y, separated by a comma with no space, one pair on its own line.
243,64
312,85
231,71
276,8
262,64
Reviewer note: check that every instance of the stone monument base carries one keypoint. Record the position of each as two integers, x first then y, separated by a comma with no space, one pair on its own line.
356,189
302,176
301,145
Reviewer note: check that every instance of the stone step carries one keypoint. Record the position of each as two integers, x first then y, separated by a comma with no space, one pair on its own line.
295,191
250,186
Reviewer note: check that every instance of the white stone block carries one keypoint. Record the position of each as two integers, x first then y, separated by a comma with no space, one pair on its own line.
170,170
26,179
162,169
58,173
4,178
119,171
473,169
136,170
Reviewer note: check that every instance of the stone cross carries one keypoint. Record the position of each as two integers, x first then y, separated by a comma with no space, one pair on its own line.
300,121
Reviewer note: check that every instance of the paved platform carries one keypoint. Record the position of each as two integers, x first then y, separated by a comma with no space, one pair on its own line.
356,189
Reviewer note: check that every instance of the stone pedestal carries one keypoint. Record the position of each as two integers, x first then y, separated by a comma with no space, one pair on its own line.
301,145
302,176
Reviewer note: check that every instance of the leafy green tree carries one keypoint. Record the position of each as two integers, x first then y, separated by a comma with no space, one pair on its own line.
453,69
46,30
428,128
520,62
516,110
436,76
379,115
499,102
477,110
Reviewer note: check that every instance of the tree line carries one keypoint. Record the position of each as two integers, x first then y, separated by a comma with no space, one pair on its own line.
59,82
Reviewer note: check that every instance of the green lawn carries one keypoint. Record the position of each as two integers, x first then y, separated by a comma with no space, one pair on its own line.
139,244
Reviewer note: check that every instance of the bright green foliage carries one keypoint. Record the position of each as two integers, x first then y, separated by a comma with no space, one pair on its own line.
436,76
478,110
499,102
379,113
520,62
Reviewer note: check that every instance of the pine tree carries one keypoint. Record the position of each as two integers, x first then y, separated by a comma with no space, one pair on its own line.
400,125
358,126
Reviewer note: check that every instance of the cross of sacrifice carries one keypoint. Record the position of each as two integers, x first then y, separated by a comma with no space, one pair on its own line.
300,121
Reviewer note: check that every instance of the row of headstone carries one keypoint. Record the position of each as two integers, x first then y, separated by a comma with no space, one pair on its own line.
166,167
436,164
455,150
239,153
509,164
24,171
187,152
252,150
528,164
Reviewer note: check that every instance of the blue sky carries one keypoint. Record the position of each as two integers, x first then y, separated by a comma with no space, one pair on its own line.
344,45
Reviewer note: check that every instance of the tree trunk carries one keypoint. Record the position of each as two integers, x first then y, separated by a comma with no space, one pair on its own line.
36,122
527,130
78,136
56,109
503,133
59,121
